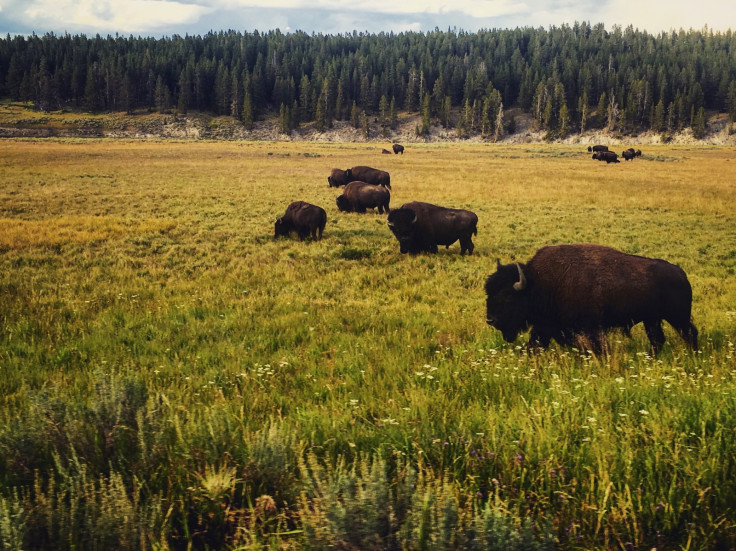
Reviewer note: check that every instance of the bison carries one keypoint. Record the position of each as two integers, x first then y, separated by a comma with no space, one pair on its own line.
608,156
304,218
628,154
422,227
370,175
359,196
398,148
598,148
385,152
570,291
338,178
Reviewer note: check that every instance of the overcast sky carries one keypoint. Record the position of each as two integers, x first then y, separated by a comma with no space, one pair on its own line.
197,17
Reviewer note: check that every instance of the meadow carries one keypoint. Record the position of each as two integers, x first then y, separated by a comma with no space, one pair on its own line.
173,377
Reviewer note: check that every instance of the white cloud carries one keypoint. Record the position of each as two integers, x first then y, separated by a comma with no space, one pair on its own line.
474,8
128,16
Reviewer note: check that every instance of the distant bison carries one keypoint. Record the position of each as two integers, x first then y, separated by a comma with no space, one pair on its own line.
398,148
338,178
385,152
421,227
608,156
303,218
359,196
370,175
569,291
598,148
629,154
367,174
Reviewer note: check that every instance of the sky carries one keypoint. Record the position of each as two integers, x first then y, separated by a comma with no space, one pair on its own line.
160,18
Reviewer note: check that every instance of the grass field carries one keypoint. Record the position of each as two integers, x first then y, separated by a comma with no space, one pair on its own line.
172,377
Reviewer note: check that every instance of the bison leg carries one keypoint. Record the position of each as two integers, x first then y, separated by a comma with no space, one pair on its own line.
655,334
466,244
689,334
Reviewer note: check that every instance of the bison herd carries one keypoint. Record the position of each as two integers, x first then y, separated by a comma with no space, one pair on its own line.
564,292
601,153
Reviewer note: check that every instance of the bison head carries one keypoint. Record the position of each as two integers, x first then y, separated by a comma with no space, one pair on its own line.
507,300
343,205
282,227
403,224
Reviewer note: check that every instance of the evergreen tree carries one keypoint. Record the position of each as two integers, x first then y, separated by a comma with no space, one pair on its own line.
658,120
383,116
601,110
394,115
248,116
446,112
699,124
425,115
583,111
162,96
564,119
284,119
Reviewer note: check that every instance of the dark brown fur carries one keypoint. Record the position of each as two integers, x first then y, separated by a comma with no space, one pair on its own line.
398,148
304,219
598,148
359,196
608,156
585,290
421,227
338,177
370,175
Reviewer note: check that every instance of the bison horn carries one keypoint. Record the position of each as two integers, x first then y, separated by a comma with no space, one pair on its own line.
414,220
390,224
521,284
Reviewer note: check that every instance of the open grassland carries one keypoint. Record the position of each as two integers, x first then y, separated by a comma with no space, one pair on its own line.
171,376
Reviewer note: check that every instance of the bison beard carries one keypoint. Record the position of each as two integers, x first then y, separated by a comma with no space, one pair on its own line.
570,291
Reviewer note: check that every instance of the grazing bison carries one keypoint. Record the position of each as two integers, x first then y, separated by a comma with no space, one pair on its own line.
598,148
385,152
629,154
608,156
422,227
338,178
359,196
303,218
569,291
398,148
370,175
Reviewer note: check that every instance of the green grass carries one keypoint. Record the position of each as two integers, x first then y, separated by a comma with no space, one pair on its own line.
172,376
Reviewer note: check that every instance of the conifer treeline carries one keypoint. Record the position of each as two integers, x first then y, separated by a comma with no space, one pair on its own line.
629,79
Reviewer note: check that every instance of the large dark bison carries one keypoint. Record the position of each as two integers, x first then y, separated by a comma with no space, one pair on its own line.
398,148
421,227
370,175
598,148
608,156
359,196
570,291
629,154
303,218
338,177
367,174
